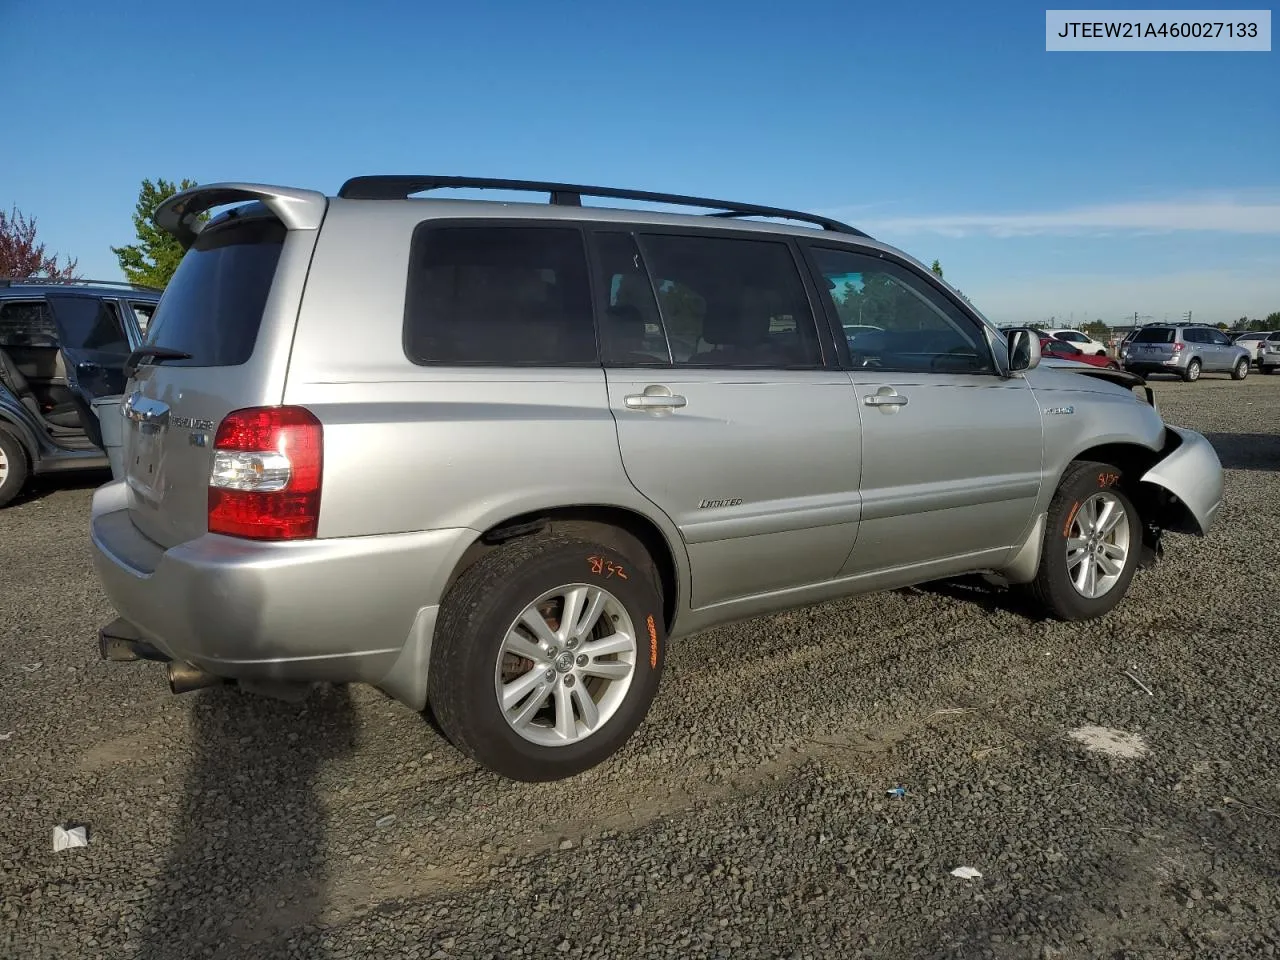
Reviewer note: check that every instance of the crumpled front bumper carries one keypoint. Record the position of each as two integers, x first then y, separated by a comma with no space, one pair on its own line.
1192,474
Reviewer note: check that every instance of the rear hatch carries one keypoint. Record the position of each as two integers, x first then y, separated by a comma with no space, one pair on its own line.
218,341
1155,344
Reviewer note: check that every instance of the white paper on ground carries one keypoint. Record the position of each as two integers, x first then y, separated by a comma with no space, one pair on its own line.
966,873
65,839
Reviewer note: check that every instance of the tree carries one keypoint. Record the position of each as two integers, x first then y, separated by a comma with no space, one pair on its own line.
1096,329
153,259
21,256
936,267
1272,322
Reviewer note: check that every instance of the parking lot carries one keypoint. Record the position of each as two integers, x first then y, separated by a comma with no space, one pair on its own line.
750,816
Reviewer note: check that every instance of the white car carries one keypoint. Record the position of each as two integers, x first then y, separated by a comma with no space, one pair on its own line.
1081,340
1252,341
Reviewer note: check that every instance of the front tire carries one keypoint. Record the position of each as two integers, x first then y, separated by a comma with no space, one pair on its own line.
13,467
547,655
1092,542
1241,370
1193,372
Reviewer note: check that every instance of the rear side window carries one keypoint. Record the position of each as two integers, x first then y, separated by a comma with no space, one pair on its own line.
728,302
90,324
1154,336
213,306
499,295
27,323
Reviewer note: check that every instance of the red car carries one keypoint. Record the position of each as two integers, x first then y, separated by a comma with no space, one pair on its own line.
1050,347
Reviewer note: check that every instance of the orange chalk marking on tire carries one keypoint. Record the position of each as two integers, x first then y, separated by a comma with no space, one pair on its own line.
653,642
1066,528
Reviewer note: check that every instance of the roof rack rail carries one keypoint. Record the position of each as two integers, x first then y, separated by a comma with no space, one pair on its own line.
57,281
398,187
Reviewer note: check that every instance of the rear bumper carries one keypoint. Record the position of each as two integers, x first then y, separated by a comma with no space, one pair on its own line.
1192,472
354,609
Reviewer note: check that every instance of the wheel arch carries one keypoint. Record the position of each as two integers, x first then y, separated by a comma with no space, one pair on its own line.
24,436
1157,507
626,530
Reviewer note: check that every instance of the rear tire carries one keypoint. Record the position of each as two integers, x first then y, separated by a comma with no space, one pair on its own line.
1193,372
1089,555
571,703
13,467
1241,370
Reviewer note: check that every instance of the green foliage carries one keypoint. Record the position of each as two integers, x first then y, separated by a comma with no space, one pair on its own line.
153,259
936,267
1272,322
1096,329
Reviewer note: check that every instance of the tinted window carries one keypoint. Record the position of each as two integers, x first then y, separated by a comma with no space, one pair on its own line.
727,302
499,295
1159,335
630,326
919,329
212,308
87,323
27,323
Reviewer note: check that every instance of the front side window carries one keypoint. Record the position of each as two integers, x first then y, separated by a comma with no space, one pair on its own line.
499,295
915,328
1073,337
142,312
732,303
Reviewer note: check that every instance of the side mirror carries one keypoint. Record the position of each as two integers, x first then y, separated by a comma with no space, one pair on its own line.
1024,350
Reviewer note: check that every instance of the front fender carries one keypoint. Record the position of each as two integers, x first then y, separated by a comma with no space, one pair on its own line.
1190,473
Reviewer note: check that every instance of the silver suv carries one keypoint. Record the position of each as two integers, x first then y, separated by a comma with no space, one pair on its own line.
1269,352
493,458
1186,350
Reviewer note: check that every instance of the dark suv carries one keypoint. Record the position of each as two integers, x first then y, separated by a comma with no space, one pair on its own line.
63,345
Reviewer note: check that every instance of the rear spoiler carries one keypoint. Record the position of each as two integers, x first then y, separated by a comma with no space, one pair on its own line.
297,209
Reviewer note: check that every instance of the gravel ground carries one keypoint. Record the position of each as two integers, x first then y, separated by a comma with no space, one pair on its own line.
748,818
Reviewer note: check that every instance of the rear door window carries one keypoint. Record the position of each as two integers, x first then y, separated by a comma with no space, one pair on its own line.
1154,336
213,306
732,303
499,295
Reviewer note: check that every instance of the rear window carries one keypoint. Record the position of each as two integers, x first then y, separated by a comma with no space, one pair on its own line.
511,296
1154,336
212,308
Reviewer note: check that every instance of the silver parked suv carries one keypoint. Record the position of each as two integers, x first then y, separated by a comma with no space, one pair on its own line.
1185,349
493,458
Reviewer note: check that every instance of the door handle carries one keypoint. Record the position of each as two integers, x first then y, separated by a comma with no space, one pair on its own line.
884,400
654,401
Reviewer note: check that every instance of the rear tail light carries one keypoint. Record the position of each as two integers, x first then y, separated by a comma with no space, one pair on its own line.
265,480
1177,347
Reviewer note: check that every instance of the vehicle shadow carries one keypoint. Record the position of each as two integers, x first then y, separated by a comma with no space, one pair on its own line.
247,862
974,589
45,485
1247,451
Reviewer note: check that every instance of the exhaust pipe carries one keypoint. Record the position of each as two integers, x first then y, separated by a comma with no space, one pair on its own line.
183,677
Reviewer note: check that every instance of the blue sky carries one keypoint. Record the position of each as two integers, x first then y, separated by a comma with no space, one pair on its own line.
1078,185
